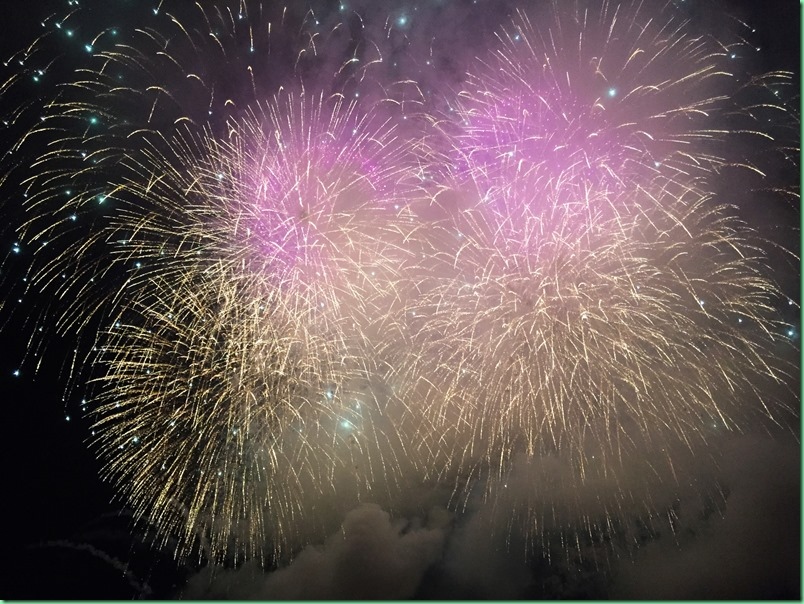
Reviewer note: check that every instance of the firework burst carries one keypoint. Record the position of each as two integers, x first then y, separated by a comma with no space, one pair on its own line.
294,289
228,270
241,327
588,299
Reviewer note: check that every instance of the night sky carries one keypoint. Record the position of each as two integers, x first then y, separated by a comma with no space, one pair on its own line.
69,535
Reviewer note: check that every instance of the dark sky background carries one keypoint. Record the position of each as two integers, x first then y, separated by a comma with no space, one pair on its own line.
67,536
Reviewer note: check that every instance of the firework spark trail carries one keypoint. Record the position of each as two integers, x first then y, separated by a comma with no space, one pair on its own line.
294,302
544,334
